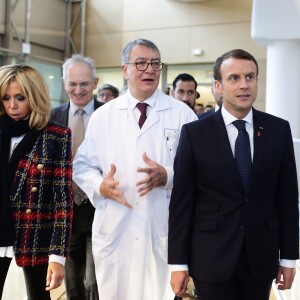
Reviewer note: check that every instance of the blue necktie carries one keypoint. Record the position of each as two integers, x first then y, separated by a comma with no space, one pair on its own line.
242,152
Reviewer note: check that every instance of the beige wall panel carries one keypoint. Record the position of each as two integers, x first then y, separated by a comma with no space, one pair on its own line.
217,39
105,49
158,14
221,11
104,16
213,40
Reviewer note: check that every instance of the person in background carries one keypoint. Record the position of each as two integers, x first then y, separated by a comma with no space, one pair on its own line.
125,166
35,183
198,108
208,107
79,79
234,220
185,89
107,92
218,99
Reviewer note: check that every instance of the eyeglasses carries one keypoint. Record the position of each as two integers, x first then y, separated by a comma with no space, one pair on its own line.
108,95
143,65
82,85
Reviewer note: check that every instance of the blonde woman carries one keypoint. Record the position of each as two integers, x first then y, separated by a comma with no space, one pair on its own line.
35,182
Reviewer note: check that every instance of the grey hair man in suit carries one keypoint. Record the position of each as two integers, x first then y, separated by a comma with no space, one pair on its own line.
234,220
79,79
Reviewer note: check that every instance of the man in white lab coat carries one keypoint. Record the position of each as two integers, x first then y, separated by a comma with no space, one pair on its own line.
126,169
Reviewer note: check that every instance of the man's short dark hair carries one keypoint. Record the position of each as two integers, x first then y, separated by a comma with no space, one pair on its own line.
235,53
184,77
110,87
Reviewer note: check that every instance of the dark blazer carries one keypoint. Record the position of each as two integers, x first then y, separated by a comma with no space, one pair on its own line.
206,114
60,114
212,217
41,195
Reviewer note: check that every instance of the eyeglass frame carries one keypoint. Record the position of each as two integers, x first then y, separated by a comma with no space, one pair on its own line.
151,63
109,95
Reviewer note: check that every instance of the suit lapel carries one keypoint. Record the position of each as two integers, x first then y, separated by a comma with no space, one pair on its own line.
259,142
22,148
223,145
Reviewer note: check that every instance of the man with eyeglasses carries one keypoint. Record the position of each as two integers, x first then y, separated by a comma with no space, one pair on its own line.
125,166
107,92
79,79
185,89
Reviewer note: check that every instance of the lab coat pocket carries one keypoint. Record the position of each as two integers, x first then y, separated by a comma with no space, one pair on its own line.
109,219
171,138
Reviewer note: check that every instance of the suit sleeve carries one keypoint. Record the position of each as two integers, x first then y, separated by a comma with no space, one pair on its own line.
181,208
62,197
288,202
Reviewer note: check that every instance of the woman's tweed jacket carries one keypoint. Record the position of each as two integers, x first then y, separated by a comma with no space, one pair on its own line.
41,196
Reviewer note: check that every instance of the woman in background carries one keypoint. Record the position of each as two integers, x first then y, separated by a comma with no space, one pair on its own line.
35,183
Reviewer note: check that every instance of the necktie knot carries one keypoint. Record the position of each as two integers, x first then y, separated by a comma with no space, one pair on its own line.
143,109
240,124
80,111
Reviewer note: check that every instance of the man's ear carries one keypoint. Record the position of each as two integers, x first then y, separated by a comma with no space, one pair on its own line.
218,87
124,70
172,93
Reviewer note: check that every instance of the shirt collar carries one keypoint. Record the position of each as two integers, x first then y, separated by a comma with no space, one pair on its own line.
150,101
88,109
229,118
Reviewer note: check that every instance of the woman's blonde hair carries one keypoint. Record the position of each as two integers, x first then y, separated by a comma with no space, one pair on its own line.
33,86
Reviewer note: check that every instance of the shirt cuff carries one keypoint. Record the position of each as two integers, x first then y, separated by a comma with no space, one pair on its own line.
170,174
57,259
175,268
288,263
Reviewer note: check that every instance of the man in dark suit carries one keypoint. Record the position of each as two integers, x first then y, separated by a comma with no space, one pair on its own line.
79,79
234,231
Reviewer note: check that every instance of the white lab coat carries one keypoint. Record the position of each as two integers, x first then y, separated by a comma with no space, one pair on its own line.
130,245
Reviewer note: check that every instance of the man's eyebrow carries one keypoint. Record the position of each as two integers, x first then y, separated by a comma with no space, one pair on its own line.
145,59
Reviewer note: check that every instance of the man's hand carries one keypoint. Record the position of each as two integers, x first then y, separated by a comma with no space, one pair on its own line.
157,176
179,282
285,277
55,275
109,187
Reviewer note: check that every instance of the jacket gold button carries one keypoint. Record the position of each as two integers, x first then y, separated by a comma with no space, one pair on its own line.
34,189
28,211
40,166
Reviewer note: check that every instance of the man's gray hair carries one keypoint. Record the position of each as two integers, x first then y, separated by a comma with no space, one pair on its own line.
79,58
142,42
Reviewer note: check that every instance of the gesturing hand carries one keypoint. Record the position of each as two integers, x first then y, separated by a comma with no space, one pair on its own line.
109,187
157,176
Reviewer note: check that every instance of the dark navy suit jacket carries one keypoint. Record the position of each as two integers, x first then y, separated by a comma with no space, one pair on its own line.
211,215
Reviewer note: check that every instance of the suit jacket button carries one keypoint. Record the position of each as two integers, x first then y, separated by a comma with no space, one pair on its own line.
40,166
242,226
28,211
34,189
246,200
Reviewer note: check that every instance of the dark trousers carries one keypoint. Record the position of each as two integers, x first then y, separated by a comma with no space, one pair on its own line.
80,277
4,266
35,279
241,286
